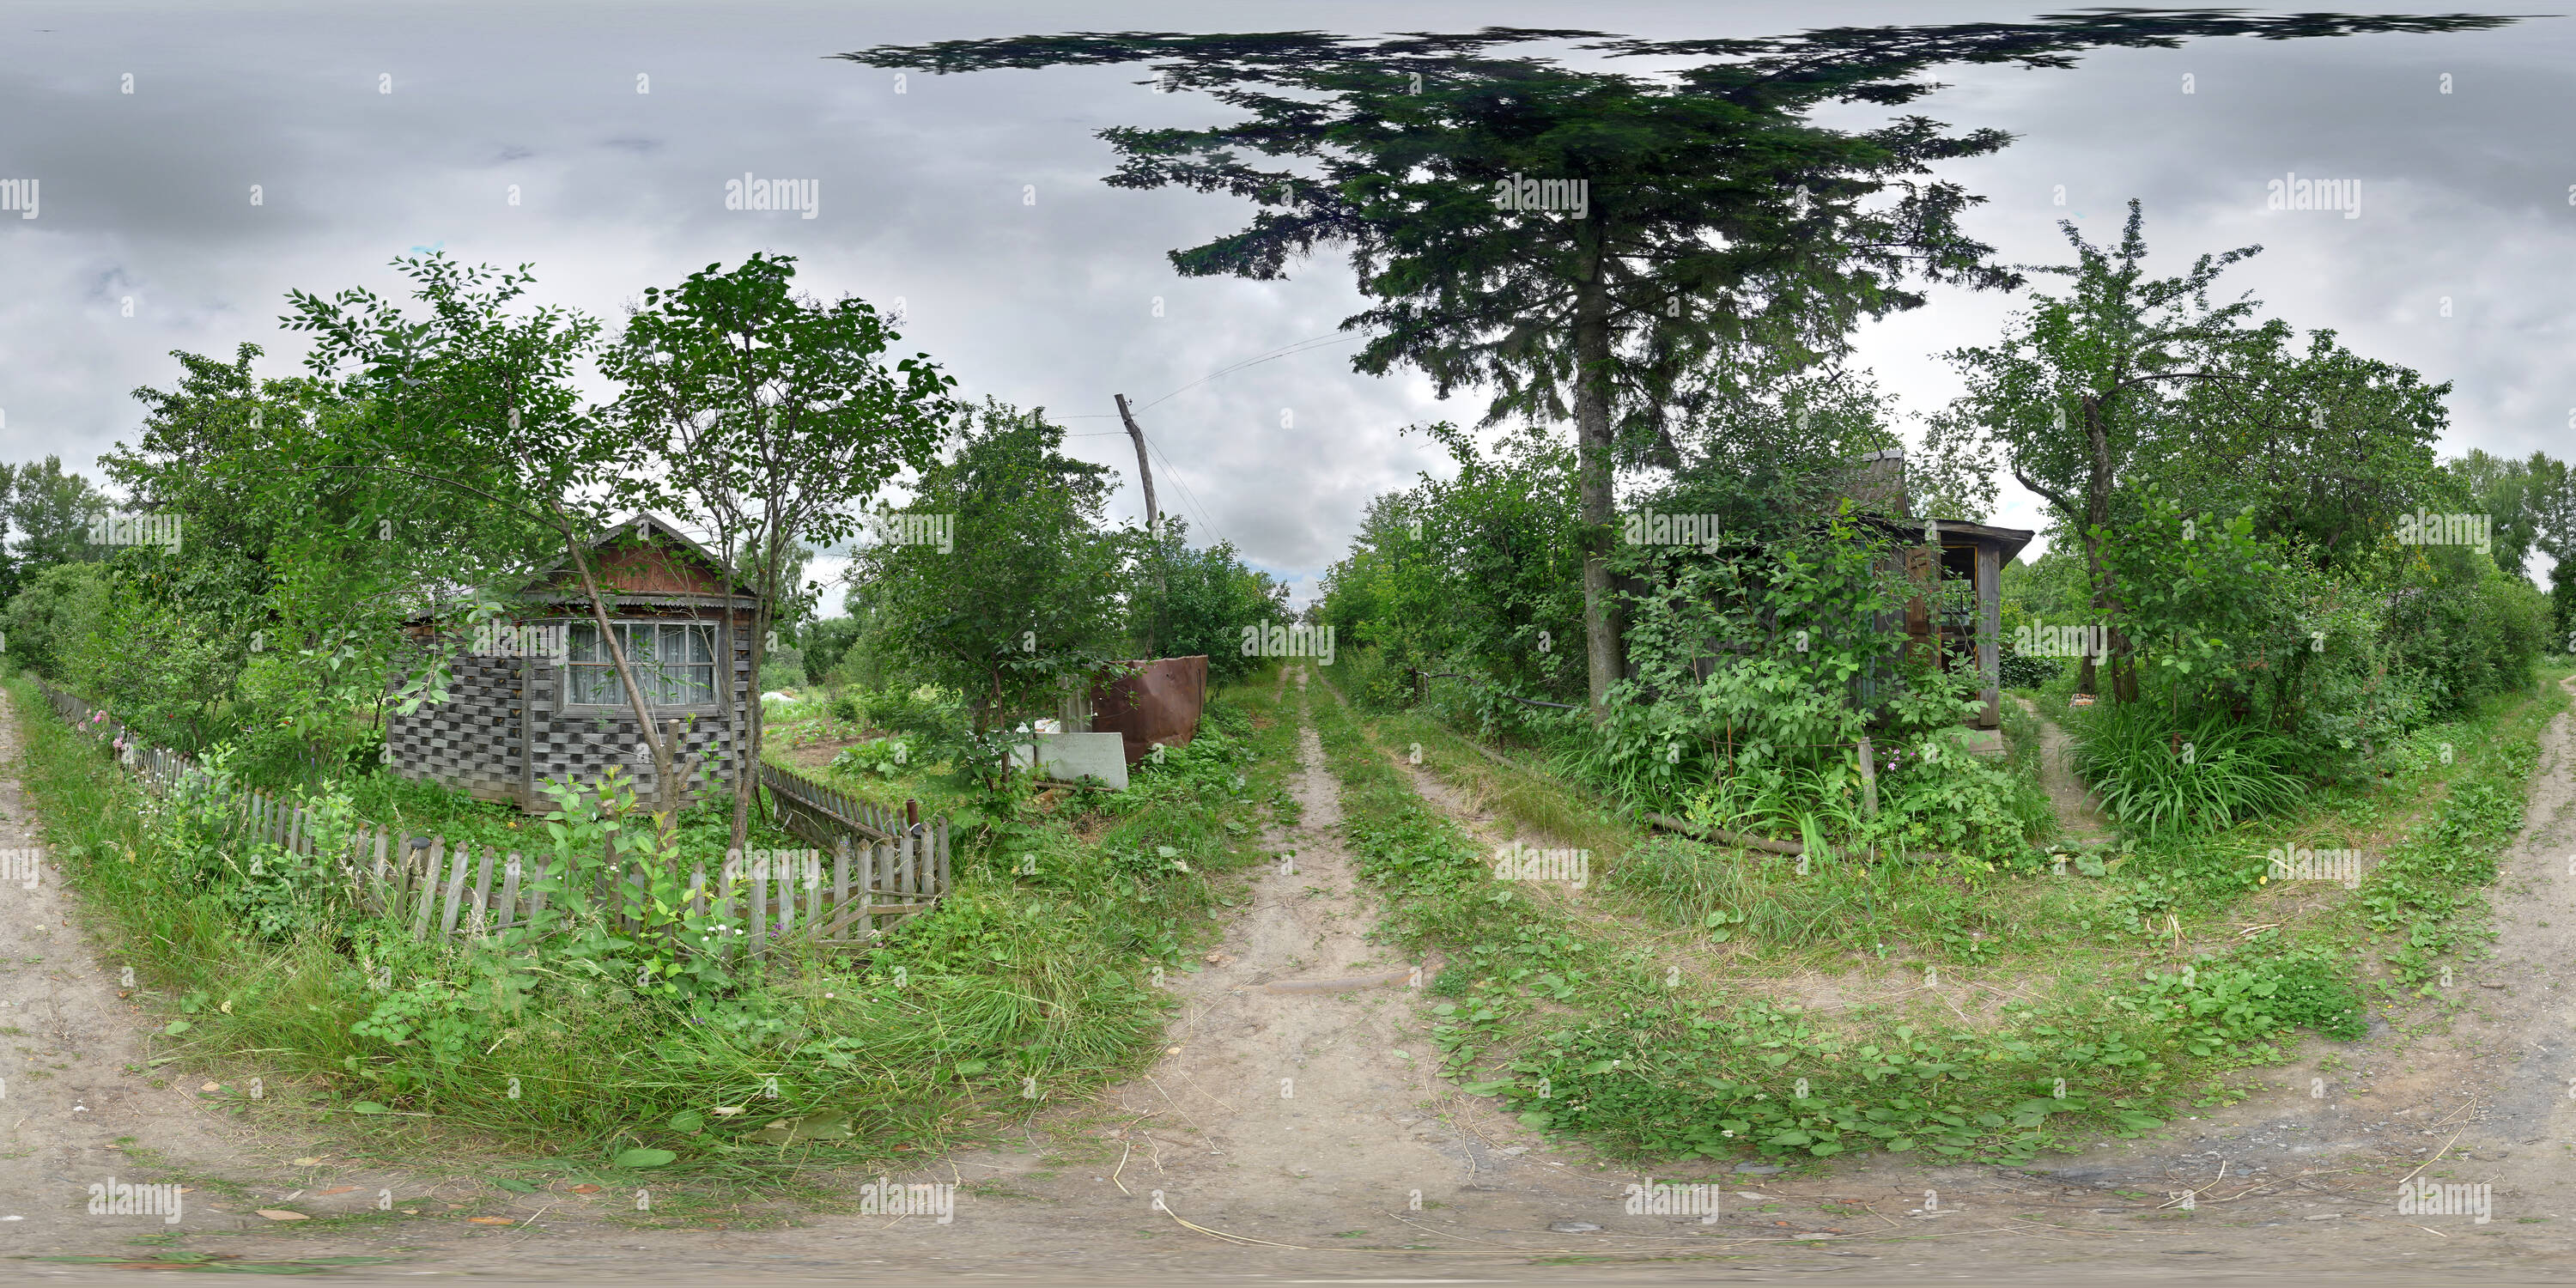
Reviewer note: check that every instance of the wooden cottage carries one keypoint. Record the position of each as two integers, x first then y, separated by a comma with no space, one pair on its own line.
538,698
1958,568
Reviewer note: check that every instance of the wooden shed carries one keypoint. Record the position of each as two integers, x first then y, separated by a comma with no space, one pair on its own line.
538,699
1955,617
1958,566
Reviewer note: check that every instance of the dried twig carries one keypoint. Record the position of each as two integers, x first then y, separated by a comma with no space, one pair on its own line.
2437,1156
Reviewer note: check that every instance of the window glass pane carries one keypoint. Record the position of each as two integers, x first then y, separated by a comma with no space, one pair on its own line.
594,684
673,663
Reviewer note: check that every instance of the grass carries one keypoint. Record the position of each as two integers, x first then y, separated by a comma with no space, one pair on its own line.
411,807
1655,1009
2156,772
1033,979
1516,785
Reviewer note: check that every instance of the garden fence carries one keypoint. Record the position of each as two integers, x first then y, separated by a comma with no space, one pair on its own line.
766,900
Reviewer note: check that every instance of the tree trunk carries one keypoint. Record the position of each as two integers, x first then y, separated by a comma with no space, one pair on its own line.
1153,529
665,790
2097,515
1603,654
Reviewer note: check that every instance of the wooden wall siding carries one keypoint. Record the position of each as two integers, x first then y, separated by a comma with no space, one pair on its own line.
848,892
654,570
1989,635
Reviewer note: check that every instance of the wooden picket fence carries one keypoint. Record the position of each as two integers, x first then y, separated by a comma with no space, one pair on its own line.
815,812
894,867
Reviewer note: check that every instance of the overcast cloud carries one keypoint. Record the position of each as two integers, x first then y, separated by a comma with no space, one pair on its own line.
977,201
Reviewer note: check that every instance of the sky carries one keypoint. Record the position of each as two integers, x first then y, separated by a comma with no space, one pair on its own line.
195,162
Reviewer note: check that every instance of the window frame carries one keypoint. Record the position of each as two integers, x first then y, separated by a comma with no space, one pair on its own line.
647,671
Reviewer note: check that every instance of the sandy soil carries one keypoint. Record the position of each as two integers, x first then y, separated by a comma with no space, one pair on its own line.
1324,1176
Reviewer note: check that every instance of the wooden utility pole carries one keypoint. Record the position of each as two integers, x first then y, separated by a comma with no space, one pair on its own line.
1153,522
1144,469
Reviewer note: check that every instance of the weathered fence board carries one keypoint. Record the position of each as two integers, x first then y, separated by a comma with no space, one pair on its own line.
883,865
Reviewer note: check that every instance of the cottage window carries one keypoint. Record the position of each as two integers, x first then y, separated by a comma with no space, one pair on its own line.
675,664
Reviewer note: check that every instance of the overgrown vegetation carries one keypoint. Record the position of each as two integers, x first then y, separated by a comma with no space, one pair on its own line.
1033,973
1628,1039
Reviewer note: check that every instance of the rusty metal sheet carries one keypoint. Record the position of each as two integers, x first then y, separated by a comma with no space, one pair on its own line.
1159,703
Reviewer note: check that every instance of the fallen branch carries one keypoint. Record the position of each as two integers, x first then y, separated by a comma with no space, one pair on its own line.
1741,841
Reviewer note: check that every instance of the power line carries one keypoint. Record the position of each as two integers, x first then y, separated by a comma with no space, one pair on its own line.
1290,349
1174,473
1285,351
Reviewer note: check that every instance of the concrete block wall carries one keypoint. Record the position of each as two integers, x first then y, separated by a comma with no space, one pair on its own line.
471,742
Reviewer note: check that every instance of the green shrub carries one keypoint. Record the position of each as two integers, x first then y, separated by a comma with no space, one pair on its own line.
2021,672
2313,990
2156,772
2469,629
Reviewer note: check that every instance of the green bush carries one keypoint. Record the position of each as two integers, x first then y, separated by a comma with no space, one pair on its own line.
54,615
2026,672
2157,772
2468,629
2313,990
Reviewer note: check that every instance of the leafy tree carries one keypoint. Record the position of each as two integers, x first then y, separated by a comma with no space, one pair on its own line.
2079,390
50,509
54,615
305,547
2554,500
1024,599
1200,601
479,399
768,415
825,642
1712,212
1474,573
2514,494
2323,447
